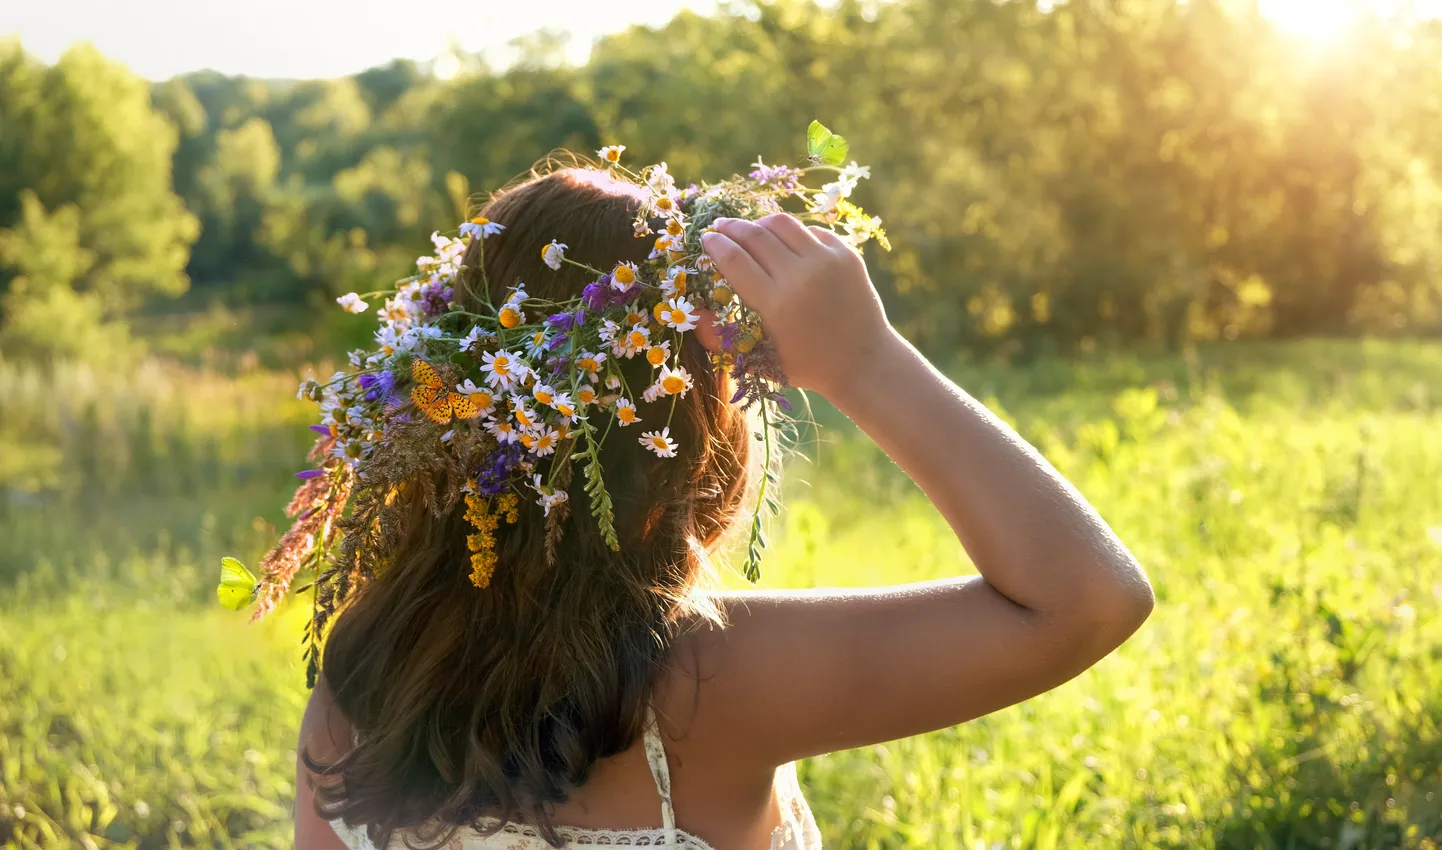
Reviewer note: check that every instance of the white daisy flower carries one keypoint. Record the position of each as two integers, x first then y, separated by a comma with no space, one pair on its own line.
479,396
352,303
636,340
659,442
608,331
504,369
653,392
542,441
613,382
659,353
626,412
590,362
675,283
682,315
544,393
611,153
504,432
481,227
659,179
674,381
526,418
536,344
568,409
585,395
474,337
624,275
554,253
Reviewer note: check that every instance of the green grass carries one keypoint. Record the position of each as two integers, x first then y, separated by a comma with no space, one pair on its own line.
1286,500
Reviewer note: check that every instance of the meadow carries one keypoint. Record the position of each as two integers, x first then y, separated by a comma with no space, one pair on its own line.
1286,500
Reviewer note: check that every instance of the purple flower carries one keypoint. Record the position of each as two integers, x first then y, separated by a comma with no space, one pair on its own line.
495,474
558,341
566,321
310,473
594,295
781,176
323,430
435,298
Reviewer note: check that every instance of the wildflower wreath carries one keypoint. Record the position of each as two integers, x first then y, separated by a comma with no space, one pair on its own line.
514,395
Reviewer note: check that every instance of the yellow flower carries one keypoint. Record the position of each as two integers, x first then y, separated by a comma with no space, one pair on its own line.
510,317
626,411
586,394
674,381
624,273
543,393
674,227
611,153
662,312
659,442
657,354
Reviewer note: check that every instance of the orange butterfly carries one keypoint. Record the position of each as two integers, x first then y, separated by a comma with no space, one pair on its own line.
434,399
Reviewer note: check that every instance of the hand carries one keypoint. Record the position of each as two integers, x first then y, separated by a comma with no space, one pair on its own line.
812,292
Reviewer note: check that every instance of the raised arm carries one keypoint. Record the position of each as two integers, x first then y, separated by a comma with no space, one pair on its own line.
798,674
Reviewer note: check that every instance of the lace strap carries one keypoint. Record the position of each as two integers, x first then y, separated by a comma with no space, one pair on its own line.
656,757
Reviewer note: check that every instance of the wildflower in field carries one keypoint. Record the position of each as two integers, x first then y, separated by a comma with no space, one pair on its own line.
611,153
352,303
503,369
674,381
659,442
481,227
626,412
554,254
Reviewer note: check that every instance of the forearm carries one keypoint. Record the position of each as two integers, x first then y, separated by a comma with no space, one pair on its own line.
1028,531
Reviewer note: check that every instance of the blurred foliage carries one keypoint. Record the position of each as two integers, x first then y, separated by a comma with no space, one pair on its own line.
1283,497
1057,176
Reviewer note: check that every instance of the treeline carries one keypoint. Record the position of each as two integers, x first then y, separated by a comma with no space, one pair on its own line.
1152,171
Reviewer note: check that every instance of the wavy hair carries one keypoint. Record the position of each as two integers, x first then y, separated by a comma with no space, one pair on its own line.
470,703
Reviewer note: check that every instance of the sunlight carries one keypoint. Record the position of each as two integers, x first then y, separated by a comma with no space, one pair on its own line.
1318,21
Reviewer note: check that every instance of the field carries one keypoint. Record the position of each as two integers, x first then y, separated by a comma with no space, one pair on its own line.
1287,693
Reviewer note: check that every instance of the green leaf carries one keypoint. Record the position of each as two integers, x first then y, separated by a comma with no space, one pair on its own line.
824,146
238,585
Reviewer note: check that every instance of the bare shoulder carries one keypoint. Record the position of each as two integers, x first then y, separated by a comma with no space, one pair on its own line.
794,674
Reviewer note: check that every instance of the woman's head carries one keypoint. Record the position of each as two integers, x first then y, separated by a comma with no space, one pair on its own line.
497,701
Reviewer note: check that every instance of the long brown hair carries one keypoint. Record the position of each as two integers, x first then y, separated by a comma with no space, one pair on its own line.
498,702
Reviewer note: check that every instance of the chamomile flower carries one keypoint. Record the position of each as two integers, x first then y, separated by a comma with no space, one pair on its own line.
611,153
681,316
511,316
585,395
590,362
536,344
623,275
653,392
542,441
479,396
659,353
636,316
626,412
543,393
480,226
637,339
504,432
563,405
665,203
504,369
659,442
675,226
674,381
674,285
352,303
608,331
659,179
475,337
553,254
613,382
641,228
526,418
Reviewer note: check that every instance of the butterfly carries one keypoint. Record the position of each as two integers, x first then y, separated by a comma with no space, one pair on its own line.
435,399
825,147
238,585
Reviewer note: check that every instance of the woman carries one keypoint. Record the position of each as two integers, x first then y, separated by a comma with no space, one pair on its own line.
601,697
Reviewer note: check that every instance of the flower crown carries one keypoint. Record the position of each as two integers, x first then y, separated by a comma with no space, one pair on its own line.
506,401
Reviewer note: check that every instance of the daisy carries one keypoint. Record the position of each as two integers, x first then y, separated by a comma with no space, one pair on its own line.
525,417
553,254
658,354
479,396
682,315
611,153
665,203
659,442
518,295
544,393
642,228
623,275
585,395
721,292
590,362
674,381
536,345
388,340
503,369
626,412
564,406
636,316
613,382
609,329
675,226
504,432
541,443
653,392
482,227
659,179
352,303
636,340
510,317
675,284
475,337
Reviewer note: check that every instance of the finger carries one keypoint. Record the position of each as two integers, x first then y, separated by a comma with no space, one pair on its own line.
763,245
790,231
705,330
828,237
743,274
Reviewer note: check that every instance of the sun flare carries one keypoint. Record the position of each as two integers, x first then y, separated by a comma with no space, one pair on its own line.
1318,21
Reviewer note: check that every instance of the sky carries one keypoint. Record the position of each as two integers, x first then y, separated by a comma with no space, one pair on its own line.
309,38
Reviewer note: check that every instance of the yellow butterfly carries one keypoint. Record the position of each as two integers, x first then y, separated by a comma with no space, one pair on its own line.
237,584
435,399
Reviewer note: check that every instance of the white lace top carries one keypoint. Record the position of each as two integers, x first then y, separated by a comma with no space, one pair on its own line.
797,830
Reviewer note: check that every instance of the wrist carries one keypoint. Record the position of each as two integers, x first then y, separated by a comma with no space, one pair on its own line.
874,363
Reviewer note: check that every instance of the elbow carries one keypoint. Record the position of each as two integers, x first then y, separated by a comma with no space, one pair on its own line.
1110,611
